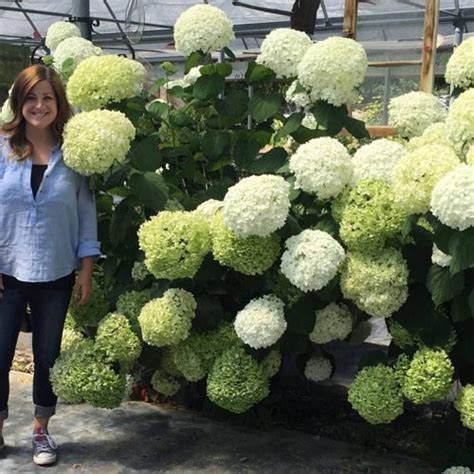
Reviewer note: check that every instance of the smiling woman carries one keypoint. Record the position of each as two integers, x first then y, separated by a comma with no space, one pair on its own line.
49,229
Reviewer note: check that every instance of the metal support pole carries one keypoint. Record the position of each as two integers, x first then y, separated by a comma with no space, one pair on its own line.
249,117
386,96
81,15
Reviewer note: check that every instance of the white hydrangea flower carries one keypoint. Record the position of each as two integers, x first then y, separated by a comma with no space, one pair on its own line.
262,322
139,271
460,121
311,260
440,258
376,160
6,114
58,32
318,369
332,322
435,133
282,50
209,208
460,67
322,166
202,28
300,99
457,470
76,49
257,205
412,113
332,70
452,200
309,121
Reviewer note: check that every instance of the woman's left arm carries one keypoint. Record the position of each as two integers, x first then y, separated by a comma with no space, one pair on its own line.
89,246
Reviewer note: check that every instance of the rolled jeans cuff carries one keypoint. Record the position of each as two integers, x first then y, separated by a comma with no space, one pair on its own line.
44,412
4,414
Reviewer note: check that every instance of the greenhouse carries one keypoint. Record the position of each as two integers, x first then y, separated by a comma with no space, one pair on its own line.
254,214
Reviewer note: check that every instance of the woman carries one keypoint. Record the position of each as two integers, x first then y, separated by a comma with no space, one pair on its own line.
48,229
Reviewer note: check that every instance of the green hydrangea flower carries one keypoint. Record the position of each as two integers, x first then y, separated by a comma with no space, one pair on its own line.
93,311
376,283
416,174
375,395
100,80
167,363
167,320
175,243
130,304
401,337
429,377
116,339
249,255
236,381
70,338
189,357
370,216
401,366
164,383
464,404
339,204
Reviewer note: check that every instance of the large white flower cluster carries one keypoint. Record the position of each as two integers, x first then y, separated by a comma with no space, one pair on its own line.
412,113
257,205
99,80
332,69
460,121
202,28
416,174
434,134
457,470
376,160
318,369
77,49
6,114
92,141
332,322
322,166
460,67
452,201
282,50
60,31
311,260
261,322
300,98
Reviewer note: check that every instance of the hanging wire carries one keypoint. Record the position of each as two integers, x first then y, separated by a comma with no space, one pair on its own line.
134,20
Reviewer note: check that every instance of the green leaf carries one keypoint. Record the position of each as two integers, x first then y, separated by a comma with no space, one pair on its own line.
224,69
360,333
228,52
214,143
332,118
234,105
263,106
442,285
258,73
193,60
208,87
122,220
437,333
269,162
461,308
301,316
442,235
461,249
145,154
245,150
150,188
303,134
292,123
157,108
356,127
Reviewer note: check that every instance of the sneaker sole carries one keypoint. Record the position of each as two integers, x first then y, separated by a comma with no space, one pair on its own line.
41,461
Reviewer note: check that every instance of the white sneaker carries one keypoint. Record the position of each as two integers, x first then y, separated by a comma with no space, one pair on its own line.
44,448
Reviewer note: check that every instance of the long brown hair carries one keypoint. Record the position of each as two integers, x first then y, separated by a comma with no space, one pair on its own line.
25,81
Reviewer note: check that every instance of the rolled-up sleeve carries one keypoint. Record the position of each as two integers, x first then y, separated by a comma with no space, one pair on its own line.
89,246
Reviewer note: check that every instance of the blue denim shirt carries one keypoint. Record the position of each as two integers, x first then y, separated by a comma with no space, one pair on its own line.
43,239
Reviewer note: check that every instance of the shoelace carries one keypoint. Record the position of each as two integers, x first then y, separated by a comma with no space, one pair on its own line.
44,443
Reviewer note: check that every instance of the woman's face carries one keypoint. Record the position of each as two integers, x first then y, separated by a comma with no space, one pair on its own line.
40,108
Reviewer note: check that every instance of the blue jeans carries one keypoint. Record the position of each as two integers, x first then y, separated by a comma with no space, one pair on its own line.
48,312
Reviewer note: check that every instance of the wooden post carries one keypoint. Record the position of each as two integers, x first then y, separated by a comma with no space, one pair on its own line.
349,27
430,33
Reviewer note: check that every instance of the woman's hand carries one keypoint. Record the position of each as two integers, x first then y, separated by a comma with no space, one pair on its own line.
83,287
